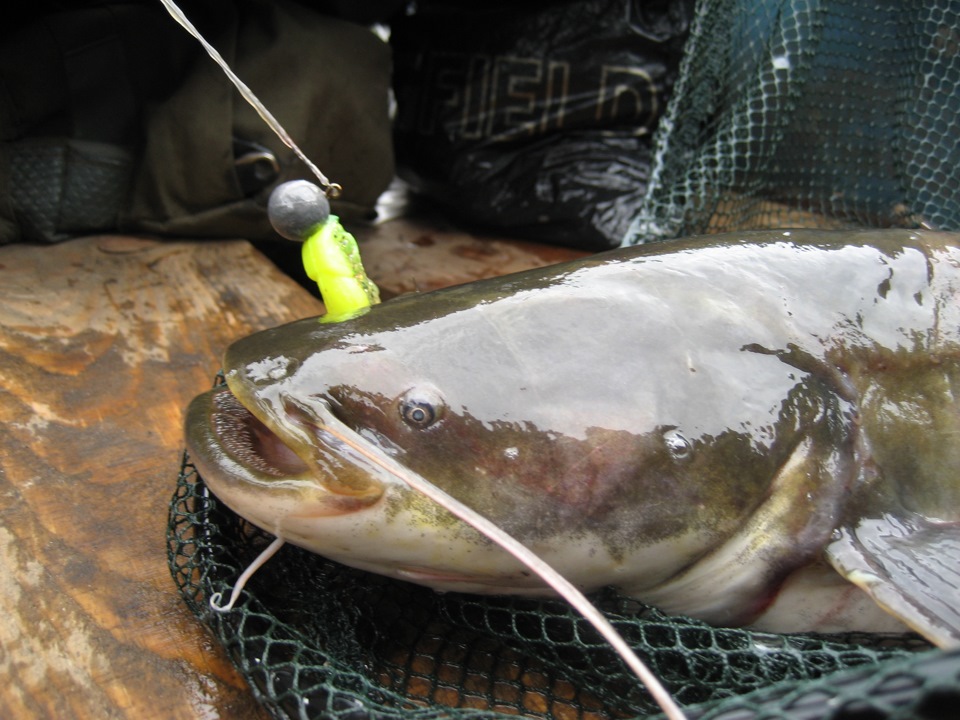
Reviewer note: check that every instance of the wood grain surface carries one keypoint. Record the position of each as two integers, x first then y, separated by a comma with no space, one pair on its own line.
426,252
103,342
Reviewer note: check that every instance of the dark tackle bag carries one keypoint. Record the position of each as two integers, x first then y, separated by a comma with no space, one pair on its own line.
536,118
113,118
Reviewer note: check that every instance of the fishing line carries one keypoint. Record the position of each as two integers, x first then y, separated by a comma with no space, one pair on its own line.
331,189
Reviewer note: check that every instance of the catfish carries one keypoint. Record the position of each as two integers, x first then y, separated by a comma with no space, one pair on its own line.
755,429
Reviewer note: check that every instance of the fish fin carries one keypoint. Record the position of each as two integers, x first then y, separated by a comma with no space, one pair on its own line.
910,567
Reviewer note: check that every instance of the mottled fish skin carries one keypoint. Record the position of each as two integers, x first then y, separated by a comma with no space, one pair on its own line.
704,424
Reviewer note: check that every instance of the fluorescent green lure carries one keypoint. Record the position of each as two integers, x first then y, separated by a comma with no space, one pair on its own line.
332,260
299,210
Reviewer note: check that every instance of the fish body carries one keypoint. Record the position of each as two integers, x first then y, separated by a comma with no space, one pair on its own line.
754,429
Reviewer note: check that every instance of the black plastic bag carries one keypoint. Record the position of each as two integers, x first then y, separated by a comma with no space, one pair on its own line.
535,118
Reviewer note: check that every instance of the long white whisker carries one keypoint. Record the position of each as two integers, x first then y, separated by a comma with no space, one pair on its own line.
258,563
558,582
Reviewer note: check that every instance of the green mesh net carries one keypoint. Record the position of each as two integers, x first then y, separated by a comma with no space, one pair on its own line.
317,639
812,114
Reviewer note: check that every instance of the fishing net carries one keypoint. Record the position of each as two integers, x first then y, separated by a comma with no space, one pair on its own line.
810,114
316,639
814,114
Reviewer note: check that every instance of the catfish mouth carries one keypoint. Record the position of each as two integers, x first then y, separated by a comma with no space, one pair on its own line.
314,467
282,445
249,441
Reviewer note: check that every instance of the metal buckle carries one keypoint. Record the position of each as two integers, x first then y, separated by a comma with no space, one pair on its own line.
256,166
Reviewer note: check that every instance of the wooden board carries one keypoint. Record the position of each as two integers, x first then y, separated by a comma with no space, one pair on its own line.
103,341
426,252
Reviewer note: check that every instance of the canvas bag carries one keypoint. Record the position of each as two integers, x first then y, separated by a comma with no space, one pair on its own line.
113,119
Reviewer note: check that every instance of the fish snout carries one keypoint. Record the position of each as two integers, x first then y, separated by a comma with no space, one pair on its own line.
246,446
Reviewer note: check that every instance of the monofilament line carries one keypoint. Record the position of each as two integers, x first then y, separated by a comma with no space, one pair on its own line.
248,94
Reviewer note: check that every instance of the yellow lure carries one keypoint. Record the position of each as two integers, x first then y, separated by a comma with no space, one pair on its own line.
332,260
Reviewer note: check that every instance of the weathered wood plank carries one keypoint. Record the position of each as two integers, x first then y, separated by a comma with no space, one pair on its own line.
103,341
425,253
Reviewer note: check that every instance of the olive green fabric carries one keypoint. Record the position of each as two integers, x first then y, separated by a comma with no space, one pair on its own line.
325,80
140,137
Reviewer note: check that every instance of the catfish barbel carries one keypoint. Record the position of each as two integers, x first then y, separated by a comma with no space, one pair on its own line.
755,429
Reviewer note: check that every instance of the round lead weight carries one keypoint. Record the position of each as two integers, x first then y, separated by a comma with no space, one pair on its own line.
297,208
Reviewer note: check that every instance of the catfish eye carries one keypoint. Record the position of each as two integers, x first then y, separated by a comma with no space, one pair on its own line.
679,447
417,413
420,408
